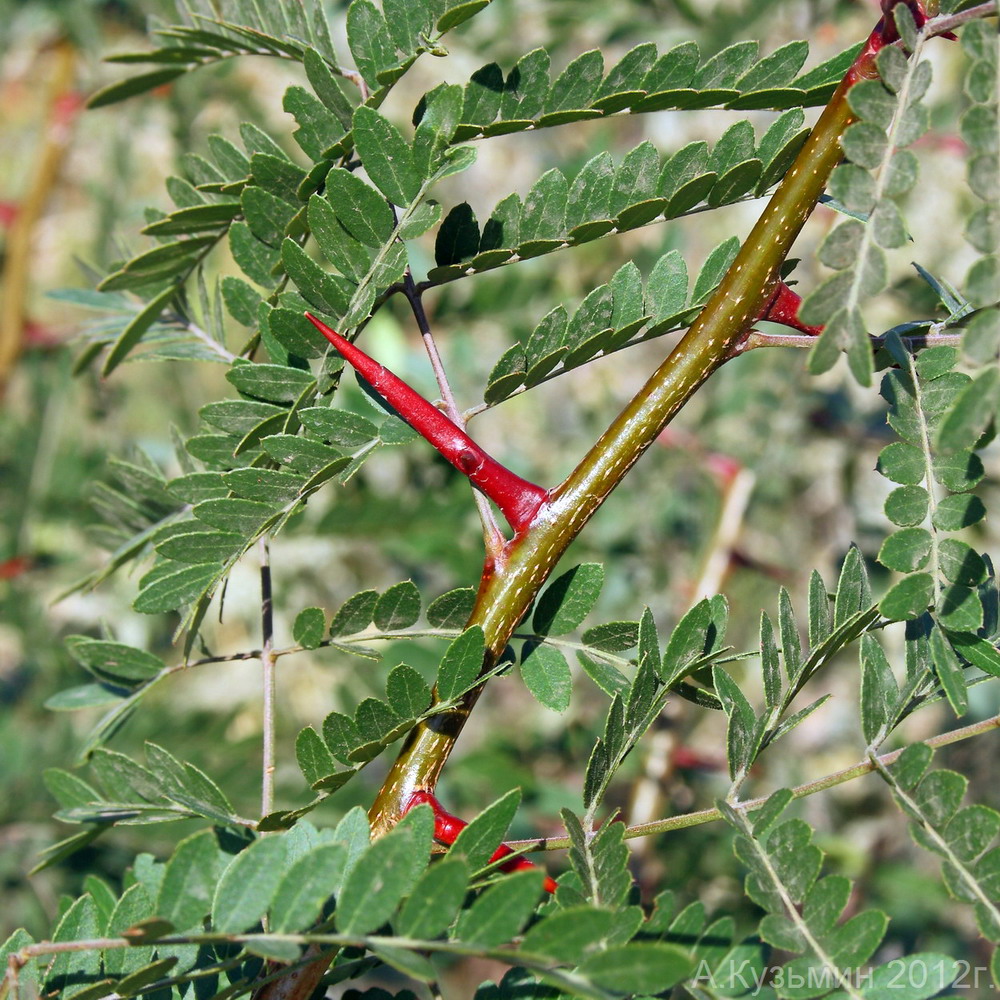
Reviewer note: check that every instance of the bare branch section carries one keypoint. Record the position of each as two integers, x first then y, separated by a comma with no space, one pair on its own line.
756,339
947,23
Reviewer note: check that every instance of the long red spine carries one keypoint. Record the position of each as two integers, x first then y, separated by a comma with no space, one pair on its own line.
518,500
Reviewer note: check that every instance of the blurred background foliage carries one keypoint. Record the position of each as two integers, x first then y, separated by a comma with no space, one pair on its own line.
767,473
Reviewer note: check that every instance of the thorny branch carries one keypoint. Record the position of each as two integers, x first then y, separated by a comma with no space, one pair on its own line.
511,583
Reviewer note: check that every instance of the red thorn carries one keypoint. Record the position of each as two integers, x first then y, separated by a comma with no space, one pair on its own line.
8,213
521,864
447,828
863,67
518,500
67,107
920,16
15,566
784,309
885,33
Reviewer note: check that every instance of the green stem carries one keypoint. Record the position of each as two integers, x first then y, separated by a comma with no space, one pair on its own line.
512,581
756,340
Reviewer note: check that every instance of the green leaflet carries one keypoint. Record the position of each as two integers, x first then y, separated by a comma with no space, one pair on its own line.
398,607
435,899
355,614
168,588
150,313
638,967
319,129
783,868
314,759
78,923
962,836
387,156
461,664
500,912
451,610
141,84
113,661
248,885
309,627
385,873
477,841
305,886
568,600
547,676
185,894
370,41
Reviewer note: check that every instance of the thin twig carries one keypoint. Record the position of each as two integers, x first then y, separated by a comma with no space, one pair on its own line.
491,529
440,375
252,654
941,25
357,638
357,79
798,792
267,661
757,339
